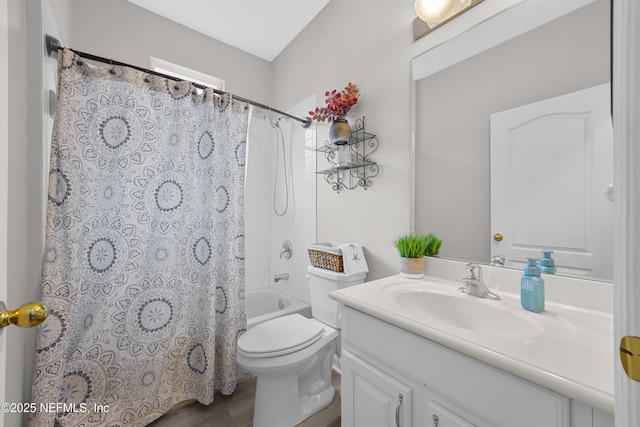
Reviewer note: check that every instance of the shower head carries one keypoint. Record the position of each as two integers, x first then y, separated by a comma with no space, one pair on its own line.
276,123
305,123
273,122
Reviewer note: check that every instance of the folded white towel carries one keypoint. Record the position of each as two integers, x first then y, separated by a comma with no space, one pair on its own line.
353,258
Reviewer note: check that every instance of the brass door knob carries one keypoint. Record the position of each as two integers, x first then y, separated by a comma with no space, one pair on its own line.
25,316
630,356
498,237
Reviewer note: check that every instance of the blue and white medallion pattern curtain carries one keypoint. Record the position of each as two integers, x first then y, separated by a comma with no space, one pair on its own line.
144,255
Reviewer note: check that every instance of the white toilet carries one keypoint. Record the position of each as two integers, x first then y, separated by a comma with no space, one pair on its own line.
292,355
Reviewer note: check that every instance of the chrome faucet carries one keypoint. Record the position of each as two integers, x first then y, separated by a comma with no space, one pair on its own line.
497,260
286,251
473,284
278,277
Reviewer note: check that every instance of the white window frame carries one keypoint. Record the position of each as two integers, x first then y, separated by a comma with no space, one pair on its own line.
184,73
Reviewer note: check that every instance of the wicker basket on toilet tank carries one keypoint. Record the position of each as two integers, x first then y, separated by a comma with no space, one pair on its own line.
326,255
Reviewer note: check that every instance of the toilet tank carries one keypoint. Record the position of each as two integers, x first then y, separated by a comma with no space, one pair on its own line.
321,282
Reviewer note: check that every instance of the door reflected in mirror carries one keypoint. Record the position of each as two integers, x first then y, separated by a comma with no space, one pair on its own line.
453,111
551,163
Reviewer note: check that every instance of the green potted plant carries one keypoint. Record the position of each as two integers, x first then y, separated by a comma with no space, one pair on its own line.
433,244
413,249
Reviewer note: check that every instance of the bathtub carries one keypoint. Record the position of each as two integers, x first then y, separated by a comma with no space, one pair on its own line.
267,303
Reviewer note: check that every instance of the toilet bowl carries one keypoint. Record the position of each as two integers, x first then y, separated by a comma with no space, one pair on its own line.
294,379
292,356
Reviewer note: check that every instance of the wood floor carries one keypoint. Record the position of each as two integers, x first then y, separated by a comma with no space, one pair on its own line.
237,410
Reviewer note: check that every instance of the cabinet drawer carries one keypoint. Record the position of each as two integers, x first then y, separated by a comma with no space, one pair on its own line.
439,416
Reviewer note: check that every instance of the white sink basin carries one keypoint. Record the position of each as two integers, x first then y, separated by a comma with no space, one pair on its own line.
453,308
541,347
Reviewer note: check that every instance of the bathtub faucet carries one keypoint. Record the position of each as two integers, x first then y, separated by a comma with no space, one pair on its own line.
278,277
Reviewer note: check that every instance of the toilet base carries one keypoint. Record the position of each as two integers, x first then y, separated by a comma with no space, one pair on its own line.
273,406
293,386
287,399
311,405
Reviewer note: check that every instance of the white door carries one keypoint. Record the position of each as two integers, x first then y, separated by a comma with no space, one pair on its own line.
20,126
4,60
551,182
626,109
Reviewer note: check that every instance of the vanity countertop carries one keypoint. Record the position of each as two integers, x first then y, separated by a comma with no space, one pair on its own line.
571,351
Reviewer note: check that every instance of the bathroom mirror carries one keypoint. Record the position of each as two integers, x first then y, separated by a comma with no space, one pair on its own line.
457,89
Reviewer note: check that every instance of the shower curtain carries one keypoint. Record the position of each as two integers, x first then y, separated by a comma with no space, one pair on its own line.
144,254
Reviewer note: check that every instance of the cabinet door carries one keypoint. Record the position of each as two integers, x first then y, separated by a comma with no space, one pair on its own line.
372,398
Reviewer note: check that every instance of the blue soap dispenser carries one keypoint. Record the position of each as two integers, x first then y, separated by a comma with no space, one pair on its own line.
547,264
532,287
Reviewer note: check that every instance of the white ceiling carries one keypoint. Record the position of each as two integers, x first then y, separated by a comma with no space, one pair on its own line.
261,27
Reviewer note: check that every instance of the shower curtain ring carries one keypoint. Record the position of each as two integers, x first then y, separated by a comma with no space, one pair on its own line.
225,99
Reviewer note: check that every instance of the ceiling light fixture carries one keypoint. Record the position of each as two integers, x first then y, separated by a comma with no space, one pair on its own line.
433,13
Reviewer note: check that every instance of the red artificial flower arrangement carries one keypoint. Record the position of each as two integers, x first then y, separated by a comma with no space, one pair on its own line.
338,104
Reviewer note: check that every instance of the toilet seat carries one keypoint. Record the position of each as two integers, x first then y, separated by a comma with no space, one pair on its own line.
280,336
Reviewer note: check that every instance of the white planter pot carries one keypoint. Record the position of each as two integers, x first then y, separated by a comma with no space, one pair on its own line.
412,268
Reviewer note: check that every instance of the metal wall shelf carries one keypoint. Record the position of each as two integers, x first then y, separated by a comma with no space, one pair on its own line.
359,169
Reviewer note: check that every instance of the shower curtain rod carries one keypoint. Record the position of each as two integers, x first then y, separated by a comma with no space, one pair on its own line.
54,44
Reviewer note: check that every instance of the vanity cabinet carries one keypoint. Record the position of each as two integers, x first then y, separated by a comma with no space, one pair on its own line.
440,387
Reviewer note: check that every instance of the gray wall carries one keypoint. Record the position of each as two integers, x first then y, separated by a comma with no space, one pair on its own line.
124,32
61,12
367,43
453,128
